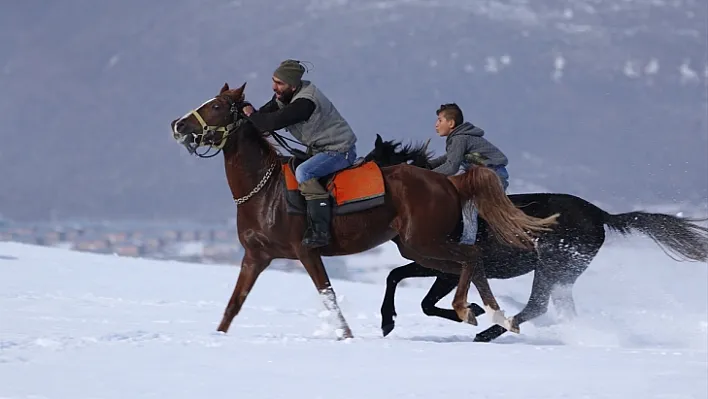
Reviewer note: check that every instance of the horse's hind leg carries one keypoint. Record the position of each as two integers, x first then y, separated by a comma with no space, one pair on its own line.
438,256
479,278
562,297
562,290
538,300
536,306
395,276
315,268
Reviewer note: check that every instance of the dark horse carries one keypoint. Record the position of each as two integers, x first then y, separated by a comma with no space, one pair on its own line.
562,254
418,207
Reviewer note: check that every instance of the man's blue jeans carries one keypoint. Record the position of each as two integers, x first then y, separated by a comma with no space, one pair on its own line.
324,163
503,175
499,169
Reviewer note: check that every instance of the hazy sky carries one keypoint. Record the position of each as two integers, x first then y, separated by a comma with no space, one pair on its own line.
603,99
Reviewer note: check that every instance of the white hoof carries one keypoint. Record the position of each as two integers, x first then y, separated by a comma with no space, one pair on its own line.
499,318
496,315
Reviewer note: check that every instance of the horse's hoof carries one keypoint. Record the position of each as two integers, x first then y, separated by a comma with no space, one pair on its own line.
490,334
343,334
476,309
510,325
481,338
387,329
466,316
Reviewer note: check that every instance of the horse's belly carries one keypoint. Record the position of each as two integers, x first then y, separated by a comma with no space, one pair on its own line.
359,232
351,247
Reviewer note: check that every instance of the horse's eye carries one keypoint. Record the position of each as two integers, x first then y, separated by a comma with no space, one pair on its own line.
215,106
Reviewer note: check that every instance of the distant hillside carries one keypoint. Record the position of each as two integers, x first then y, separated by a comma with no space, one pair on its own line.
604,98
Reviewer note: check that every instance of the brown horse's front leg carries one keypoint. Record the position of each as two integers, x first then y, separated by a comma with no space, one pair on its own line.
315,268
479,278
251,268
459,302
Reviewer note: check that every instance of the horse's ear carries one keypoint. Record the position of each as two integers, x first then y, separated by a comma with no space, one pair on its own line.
378,141
224,88
239,92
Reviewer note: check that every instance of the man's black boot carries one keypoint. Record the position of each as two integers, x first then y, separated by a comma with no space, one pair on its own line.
318,219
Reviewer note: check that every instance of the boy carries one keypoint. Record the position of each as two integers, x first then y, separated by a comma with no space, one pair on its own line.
465,145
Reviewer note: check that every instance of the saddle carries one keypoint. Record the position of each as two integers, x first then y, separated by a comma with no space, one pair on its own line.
356,188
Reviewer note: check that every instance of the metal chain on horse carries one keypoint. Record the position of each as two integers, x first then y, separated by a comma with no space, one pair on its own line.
258,187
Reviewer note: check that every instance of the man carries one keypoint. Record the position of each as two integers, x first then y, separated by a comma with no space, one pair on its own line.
465,145
304,111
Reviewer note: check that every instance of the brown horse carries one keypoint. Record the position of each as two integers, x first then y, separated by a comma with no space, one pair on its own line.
372,205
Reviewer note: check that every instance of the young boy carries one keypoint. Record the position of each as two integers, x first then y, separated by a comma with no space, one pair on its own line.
464,145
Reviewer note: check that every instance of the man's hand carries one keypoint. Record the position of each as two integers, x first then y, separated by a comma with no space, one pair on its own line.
248,110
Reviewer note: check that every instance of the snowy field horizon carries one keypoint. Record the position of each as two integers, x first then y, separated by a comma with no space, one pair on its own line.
77,325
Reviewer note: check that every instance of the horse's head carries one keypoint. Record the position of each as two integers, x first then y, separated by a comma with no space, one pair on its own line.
211,124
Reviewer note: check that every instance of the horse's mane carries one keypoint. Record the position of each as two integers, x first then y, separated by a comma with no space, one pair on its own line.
251,132
392,152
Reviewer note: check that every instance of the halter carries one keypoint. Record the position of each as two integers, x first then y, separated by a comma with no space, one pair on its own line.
209,131
238,118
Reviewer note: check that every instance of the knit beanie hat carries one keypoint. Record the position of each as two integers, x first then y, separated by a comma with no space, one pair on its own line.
290,72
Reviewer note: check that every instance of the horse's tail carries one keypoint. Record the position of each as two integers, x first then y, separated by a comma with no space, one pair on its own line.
680,236
511,226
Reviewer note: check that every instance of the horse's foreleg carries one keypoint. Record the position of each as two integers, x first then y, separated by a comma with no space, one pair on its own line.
440,255
395,276
443,285
315,268
428,245
251,268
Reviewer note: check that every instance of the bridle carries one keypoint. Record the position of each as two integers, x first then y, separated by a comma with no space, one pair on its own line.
237,119
209,131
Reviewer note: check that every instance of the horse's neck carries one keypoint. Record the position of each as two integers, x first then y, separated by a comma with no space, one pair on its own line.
246,165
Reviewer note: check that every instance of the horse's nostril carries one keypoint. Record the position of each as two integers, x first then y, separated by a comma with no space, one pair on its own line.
179,127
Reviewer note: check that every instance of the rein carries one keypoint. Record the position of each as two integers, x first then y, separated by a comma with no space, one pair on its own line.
299,154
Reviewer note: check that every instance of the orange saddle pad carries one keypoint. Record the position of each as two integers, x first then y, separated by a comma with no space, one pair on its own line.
362,185
357,184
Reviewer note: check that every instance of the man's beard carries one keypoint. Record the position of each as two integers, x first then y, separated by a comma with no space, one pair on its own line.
287,96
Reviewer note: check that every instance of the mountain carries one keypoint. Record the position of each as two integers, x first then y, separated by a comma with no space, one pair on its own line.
605,99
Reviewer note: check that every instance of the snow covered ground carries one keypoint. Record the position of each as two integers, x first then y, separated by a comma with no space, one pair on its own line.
76,325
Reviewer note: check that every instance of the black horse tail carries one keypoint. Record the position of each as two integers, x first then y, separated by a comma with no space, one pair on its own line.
673,234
